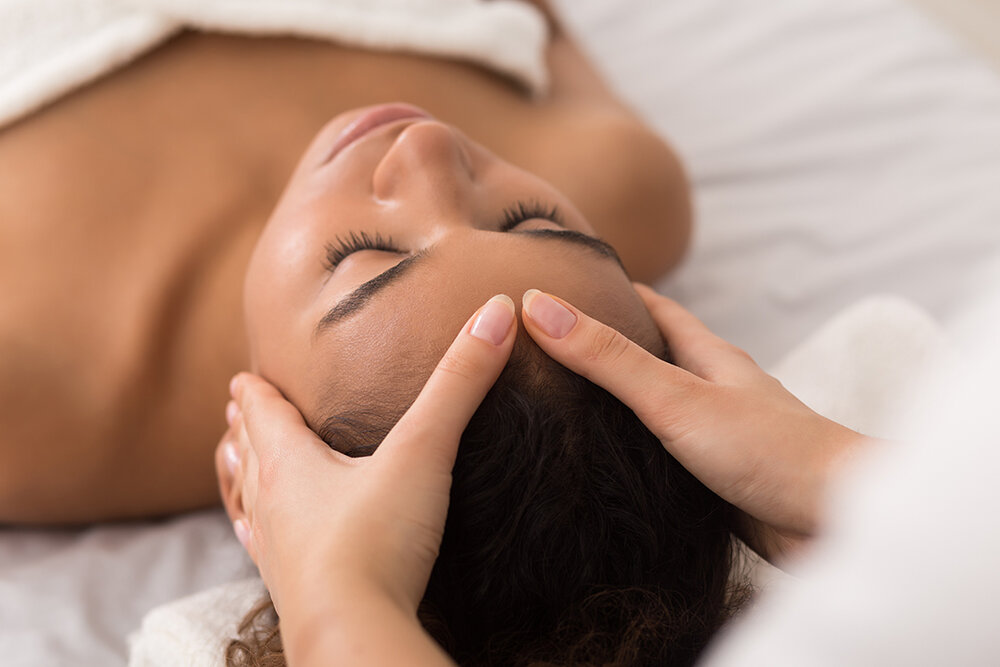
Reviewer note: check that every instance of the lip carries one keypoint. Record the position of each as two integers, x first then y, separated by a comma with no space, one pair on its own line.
369,120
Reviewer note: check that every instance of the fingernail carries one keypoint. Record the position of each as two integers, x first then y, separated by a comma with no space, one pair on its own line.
551,316
233,385
494,320
242,531
232,457
231,411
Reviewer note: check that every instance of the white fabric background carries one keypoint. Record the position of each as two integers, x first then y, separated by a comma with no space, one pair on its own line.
906,573
836,149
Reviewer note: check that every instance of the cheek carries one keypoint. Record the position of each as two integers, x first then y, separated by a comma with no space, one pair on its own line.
277,332
255,300
282,281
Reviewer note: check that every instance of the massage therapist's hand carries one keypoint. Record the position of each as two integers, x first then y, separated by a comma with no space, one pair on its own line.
325,529
732,425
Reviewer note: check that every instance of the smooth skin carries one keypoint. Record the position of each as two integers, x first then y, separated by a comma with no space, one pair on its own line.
733,426
346,546
295,503
129,212
439,196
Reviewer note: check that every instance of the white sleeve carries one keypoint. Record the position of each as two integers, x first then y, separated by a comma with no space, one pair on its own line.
906,573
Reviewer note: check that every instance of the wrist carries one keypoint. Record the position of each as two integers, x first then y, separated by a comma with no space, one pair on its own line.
840,449
327,608
329,595
850,444
325,576
358,625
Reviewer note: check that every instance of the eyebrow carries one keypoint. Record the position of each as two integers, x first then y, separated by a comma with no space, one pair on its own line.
361,295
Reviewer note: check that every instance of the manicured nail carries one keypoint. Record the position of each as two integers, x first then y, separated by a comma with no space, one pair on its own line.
242,531
494,320
234,385
231,411
551,316
232,457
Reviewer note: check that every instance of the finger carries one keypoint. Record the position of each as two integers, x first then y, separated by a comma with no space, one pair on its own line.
271,422
227,469
604,356
230,467
693,345
249,473
226,457
244,494
458,384
243,533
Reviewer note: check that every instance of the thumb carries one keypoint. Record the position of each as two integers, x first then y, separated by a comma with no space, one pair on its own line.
694,346
606,357
457,386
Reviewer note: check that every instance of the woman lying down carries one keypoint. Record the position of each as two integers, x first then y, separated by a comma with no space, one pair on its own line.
573,534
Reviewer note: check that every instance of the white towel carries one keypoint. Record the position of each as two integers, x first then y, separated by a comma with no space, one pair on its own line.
858,369
50,47
195,631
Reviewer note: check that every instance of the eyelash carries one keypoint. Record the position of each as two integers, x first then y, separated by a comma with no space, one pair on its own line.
337,251
521,211
511,217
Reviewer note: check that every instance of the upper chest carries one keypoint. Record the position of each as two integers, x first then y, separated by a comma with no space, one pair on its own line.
139,197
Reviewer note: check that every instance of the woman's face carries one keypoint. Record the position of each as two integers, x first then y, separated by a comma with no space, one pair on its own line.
375,257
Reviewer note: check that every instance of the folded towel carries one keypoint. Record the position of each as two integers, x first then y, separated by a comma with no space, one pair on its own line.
195,631
862,368
858,369
50,47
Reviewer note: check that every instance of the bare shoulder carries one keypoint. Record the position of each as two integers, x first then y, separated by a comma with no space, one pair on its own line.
622,174
626,180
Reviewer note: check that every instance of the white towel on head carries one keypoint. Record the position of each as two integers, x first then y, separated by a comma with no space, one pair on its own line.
50,47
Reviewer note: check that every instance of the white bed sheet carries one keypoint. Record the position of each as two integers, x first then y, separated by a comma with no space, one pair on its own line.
836,149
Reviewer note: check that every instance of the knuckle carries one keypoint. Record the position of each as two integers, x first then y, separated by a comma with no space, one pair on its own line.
661,309
415,427
220,460
769,382
233,501
740,353
229,439
250,404
672,406
257,395
458,364
269,471
605,345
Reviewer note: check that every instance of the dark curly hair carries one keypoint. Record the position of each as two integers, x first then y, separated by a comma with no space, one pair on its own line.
572,538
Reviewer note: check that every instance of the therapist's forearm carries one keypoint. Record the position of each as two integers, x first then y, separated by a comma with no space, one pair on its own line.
370,630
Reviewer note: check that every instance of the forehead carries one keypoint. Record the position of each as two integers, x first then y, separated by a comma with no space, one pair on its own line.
387,349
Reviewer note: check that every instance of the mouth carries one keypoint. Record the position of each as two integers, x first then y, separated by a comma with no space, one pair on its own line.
370,119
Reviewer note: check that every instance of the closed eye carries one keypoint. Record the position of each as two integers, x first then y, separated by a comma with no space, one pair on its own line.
366,291
523,211
512,216
341,247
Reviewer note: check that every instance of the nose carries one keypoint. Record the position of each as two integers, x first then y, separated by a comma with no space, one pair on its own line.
427,160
